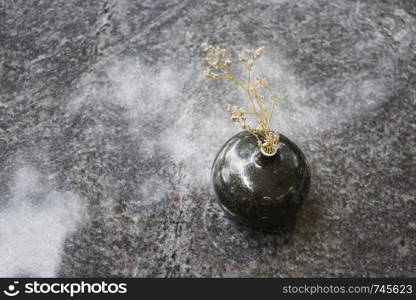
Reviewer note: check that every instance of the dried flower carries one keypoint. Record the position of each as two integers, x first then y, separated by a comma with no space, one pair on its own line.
255,54
205,46
260,82
208,73
216,57
260,106
237,114
241,57
249,63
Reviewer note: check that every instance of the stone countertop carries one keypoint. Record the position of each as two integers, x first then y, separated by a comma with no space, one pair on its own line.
108,132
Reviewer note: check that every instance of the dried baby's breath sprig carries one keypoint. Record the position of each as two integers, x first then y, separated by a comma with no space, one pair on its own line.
261,106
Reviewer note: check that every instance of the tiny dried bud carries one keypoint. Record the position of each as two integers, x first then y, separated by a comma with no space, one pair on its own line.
234,119
205,46
210,74
237,114
249,63
255,54
262,83
241,57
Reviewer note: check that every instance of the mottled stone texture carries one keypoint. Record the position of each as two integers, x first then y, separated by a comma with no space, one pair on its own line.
140,168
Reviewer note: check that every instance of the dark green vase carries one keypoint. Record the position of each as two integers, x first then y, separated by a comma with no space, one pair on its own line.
259,190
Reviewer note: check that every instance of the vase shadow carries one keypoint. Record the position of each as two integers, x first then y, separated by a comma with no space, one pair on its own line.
240,242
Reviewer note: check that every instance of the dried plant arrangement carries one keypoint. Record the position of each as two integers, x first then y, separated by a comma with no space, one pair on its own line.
262,100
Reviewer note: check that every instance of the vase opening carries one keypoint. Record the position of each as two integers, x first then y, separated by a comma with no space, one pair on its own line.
269,154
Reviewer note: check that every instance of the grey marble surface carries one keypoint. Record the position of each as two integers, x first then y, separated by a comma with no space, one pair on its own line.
108,132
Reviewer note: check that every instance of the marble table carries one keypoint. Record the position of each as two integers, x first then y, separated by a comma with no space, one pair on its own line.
108,131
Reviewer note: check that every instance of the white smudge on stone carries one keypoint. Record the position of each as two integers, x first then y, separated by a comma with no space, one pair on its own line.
34,226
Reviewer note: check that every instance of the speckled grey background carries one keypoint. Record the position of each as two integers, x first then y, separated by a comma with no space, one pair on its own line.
108,132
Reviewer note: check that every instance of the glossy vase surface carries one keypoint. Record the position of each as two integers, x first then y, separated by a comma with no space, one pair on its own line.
259,190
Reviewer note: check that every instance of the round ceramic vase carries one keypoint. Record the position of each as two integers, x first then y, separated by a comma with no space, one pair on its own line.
258,190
